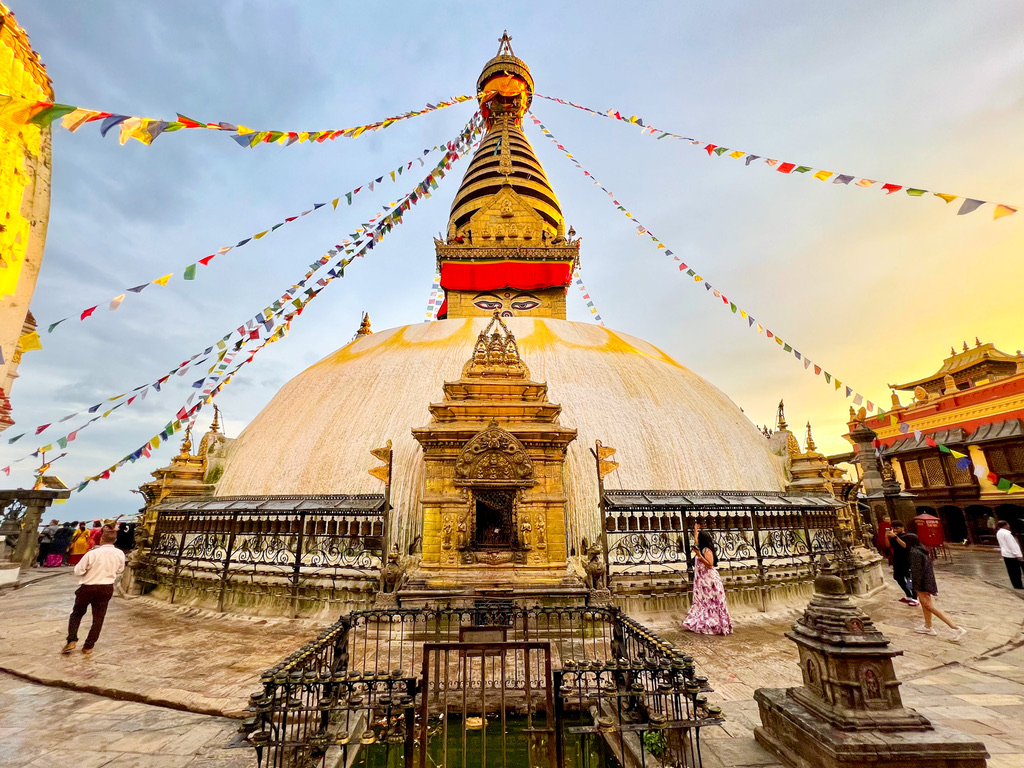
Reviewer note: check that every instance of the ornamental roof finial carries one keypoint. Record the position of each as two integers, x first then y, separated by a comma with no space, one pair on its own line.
215,426
810,439
364,326
505,44
782,416
186,444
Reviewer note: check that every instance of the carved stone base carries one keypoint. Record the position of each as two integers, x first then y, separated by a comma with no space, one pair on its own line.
599,597
386,600
802,740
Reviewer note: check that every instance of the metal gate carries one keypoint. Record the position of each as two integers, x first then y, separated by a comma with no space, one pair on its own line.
489,698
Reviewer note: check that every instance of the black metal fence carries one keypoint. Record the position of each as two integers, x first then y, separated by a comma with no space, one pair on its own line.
523,685
765,536
275,544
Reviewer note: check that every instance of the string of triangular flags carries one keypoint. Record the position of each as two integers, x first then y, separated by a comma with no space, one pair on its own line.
963,461
145,129
190,272
578,280
212,387
436,298
858,398
967,205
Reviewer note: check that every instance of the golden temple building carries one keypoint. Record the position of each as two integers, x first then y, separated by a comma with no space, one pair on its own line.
490,416
25,193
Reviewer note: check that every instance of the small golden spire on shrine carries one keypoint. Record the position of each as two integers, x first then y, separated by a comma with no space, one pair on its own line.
215,426
364,326
782,416
949,384
965,346
977,341
186,444
896,400
952,351
810,440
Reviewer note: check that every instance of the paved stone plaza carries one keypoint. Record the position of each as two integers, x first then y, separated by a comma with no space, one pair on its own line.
164,681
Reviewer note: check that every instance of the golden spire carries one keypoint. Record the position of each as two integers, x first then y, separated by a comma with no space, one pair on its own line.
186,444
810,440
782,416
364,326
215,426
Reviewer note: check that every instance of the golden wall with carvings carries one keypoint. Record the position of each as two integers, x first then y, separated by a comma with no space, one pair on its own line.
24,193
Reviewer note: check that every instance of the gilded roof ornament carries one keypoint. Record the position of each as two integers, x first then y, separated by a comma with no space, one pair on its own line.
781,413
811,447
496,354
364,326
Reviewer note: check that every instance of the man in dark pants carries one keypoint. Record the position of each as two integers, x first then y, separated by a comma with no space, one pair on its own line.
901,562
96,573
1009,548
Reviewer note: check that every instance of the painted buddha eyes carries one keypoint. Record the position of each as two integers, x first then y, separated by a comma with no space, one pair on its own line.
521,302
525,304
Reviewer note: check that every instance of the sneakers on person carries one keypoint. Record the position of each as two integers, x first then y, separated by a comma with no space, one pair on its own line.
913,603
958,635
68,648
923,630
87,651
906,600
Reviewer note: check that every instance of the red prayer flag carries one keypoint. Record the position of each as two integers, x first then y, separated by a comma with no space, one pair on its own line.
992,477
931,443
88,312
786,167
890,188
709,148
41,428
206,261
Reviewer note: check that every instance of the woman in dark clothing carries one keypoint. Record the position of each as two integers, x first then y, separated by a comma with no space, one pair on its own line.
923,577
60,544
125,537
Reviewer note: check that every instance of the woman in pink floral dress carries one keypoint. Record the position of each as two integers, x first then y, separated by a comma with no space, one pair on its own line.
709,615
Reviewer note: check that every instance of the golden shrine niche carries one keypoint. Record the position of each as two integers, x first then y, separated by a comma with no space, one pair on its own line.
494,453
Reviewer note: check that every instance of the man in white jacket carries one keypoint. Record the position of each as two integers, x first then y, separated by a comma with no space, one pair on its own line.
96,573
1009,548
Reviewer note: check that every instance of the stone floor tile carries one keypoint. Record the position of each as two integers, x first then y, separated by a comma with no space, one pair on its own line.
992,699
79,758
149,761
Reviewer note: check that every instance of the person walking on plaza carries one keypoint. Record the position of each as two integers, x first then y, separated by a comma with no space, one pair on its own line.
46,541
923,578
96,573
901,562
79,544
709,614
1009,548
882,538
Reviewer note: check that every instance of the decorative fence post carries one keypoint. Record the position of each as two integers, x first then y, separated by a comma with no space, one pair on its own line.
226,571
297,567
177,559
761,587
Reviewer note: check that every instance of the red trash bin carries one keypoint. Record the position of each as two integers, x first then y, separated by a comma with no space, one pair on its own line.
929,531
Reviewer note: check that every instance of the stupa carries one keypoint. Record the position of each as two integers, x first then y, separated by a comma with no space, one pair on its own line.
491,412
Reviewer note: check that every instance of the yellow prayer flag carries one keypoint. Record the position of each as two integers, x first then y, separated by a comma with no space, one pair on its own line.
1003,210
823,175
128,127
743,314
957,454
303,136
163,280
737,154
778,341
74,120
697,279
30,341
760,328
261,234
243,131
392,175
947,198
334,202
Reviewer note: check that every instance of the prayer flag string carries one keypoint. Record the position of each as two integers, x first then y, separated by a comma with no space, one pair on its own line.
967,205
190,271
145,129
858,399
586,297
435,301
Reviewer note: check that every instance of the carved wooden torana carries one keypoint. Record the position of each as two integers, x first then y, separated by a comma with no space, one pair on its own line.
494,452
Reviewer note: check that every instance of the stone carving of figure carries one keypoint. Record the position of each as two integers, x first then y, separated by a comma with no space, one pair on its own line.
446,534
463,537
872,685
595,570
540,538
525,530
391,574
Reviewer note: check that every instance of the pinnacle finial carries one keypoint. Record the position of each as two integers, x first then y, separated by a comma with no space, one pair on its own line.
952,351
364,325
186,444
215,426
810,439
965,346
782,416
505,44
977,341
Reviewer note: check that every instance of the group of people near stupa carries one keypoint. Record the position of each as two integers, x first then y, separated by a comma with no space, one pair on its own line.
66,543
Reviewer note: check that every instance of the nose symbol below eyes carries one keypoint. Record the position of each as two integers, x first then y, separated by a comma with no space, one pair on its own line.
506,313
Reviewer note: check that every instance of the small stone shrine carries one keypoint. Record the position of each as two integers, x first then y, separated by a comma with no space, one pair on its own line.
849,712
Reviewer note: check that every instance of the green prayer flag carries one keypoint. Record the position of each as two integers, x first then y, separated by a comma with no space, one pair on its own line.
690,272
828,376
1004,484
733,308
916,192
787,348
190,272
276,226
944,449
51,113
62,442
802,169
54,325
348,196
721,150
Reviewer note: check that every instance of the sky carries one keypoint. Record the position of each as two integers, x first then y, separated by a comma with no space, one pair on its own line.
875,288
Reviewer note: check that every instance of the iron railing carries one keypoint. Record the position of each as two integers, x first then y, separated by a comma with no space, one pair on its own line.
265,550
413,684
